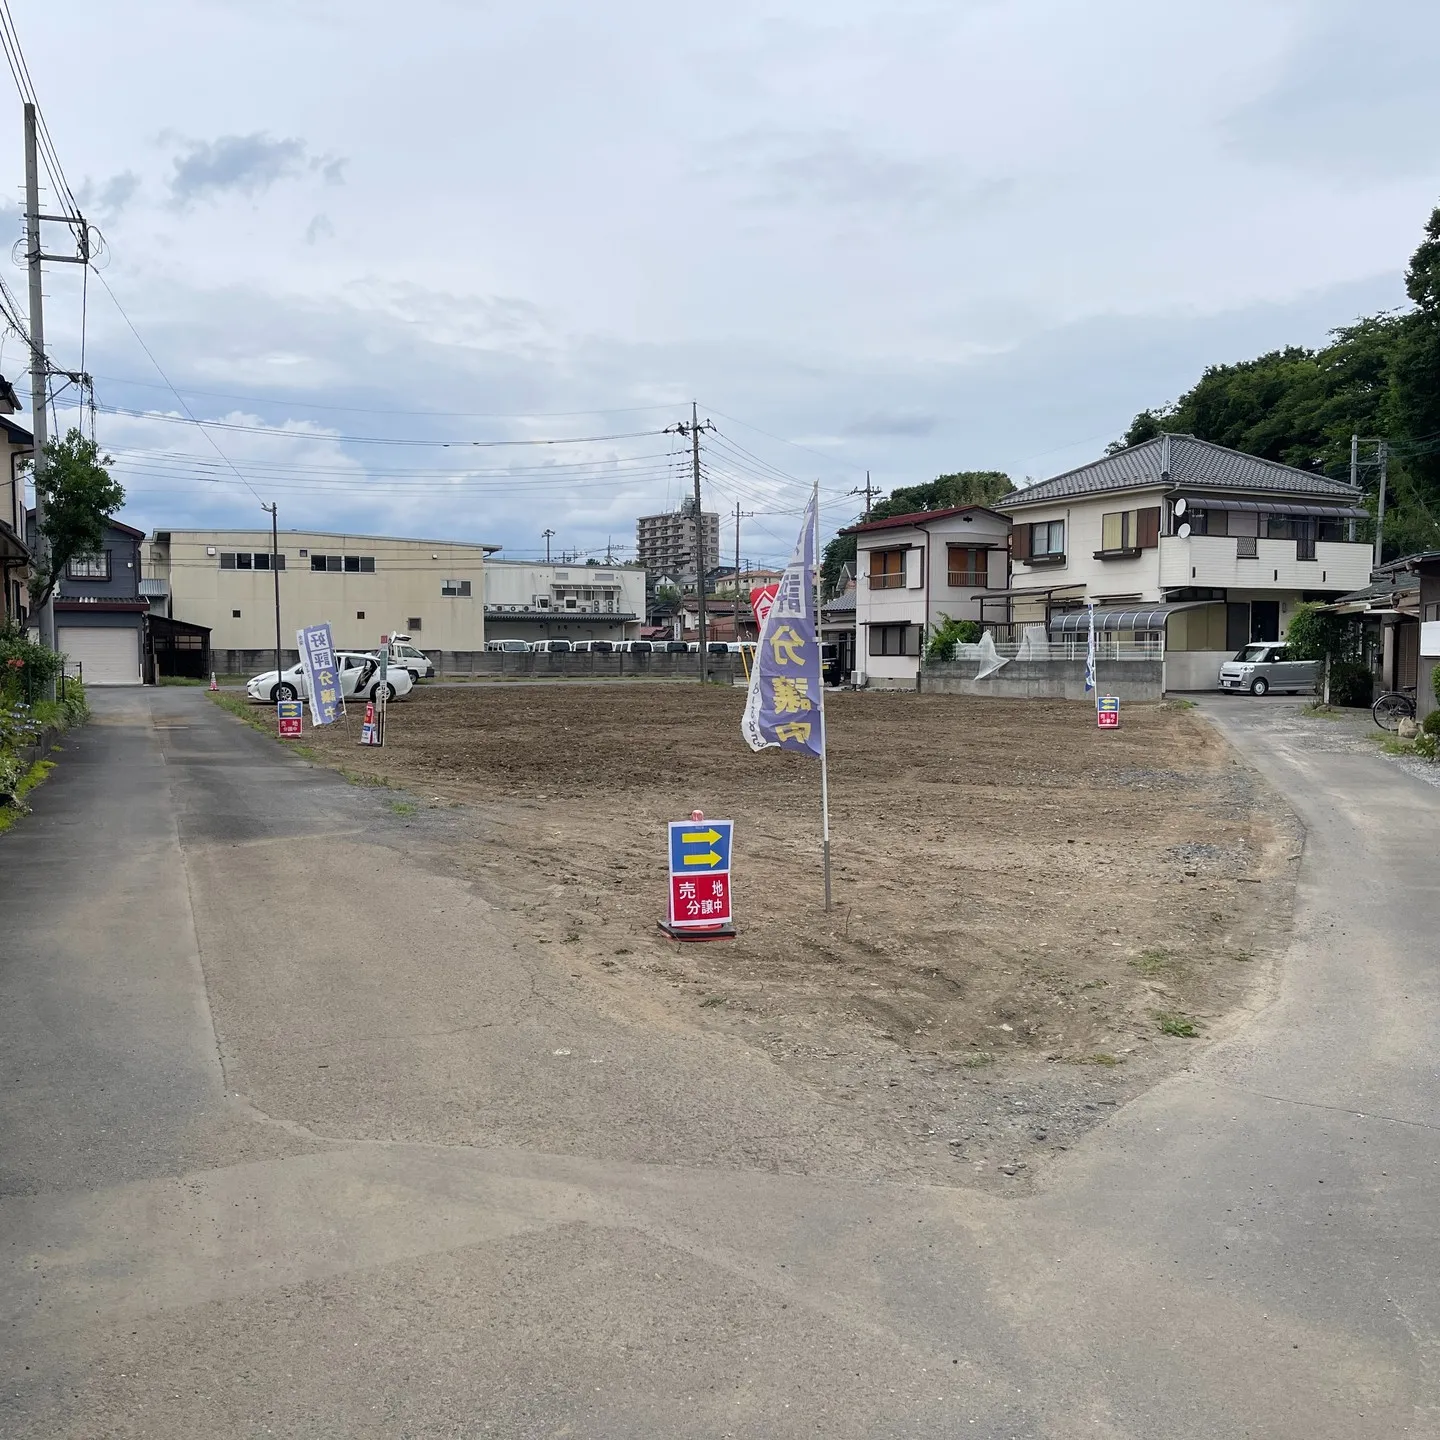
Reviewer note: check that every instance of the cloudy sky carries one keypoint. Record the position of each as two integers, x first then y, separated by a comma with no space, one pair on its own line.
900,236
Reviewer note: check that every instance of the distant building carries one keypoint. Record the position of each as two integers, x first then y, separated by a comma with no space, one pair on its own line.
14,549
536,601
667,544
365,586
749,580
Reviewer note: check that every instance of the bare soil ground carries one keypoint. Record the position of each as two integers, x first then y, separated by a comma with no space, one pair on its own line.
1027,910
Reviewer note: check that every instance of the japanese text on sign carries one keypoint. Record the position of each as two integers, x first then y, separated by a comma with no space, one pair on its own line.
317,655
700,872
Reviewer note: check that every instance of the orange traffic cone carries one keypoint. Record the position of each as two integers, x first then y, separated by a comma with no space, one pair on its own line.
213,684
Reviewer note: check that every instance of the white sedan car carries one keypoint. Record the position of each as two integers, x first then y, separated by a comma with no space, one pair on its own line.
359,680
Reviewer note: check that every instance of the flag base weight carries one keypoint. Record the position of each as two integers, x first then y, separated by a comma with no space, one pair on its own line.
690,932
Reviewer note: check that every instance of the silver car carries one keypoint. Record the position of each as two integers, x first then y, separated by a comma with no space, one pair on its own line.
1265,666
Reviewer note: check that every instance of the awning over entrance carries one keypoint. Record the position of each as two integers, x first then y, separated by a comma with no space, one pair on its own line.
1130,617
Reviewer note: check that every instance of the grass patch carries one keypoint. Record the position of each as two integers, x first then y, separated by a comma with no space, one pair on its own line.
403,807
238,706
1316,710
1171,1022
357,777
1101,1057
1179,704
181,680
978,1060
711,1000
28,781
1151,962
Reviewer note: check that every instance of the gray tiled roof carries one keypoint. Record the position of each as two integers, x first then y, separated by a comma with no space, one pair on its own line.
1192,462
840,604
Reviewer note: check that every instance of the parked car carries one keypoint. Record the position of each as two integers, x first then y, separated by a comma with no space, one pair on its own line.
673,647
404,655
1265,666
592,647
509,647
359,679
551,647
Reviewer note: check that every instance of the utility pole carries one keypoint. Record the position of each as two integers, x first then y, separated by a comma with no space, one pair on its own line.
739,516
273,509
547,534
1355,461
867,492
39,376
692,431
1382,458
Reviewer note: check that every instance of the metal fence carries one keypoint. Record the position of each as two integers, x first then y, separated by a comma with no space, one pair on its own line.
1116,645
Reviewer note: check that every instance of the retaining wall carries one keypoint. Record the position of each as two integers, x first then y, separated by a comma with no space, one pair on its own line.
1047,679
722,668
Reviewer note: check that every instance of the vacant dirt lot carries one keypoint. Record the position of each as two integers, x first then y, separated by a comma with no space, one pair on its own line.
1031,917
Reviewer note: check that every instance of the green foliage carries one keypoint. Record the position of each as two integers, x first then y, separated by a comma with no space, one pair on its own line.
26,669
1435,683
1427,745
1431,723
1172,1023
1313,634
1351,684
944,492
947,635
1377,376
79,494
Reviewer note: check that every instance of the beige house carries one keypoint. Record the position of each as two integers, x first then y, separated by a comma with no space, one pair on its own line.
538,601
16,444
915,571
365,586
1202,548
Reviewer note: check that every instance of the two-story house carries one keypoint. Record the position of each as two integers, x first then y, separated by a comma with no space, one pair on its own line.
17,444
914,571
1208,547
99,611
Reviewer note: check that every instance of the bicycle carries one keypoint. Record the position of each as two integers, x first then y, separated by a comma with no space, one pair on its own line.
1393,707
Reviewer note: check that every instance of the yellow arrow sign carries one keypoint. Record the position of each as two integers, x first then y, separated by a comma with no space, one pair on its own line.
709,858
700,837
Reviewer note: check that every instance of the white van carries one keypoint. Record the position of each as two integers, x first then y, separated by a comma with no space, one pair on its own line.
406,657
509,647
551,647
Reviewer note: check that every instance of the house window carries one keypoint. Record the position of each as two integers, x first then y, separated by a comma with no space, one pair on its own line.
895,639
454,588
1041,541
89,567
413,623
1127,532
887,570
968,567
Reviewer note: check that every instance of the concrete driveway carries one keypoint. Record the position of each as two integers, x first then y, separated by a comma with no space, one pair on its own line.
300,1136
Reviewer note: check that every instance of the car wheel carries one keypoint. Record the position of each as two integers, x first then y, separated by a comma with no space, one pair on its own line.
389,691
1259,685
283,692
414,677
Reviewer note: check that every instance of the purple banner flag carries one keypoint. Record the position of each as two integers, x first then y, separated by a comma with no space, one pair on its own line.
785,707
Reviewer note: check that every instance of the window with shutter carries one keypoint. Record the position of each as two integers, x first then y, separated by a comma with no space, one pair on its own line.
1020,542
1149,528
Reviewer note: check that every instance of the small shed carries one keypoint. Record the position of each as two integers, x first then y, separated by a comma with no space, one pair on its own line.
175,649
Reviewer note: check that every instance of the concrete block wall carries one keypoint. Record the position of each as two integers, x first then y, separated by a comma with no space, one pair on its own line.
1047,679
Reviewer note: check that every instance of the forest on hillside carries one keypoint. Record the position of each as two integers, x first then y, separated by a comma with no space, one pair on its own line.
1378,378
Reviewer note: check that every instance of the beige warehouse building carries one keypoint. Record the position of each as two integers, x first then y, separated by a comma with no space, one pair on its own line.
365,586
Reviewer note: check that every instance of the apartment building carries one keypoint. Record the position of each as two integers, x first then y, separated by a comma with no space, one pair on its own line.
667,544
534,601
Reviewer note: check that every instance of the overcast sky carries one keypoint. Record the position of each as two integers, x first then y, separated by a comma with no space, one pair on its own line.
894,235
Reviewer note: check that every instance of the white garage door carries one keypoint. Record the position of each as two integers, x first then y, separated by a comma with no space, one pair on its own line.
107,656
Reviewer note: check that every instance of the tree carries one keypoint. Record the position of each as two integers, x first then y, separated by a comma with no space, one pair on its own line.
79,495
944,492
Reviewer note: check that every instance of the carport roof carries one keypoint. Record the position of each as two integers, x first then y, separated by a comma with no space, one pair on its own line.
1117,617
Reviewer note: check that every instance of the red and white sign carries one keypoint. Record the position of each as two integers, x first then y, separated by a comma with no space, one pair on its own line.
698,900
762,597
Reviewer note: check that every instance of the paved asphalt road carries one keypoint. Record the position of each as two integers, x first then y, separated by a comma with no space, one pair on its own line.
299,1137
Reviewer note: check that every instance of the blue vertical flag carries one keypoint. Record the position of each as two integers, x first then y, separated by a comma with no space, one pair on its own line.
1090,684
317,655
785,707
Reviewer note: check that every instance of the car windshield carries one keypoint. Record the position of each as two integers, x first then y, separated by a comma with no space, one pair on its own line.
1253,654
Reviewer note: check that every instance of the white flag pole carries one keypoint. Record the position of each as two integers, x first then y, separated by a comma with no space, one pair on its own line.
824,758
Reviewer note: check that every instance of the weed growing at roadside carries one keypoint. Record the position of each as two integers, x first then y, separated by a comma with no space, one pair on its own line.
1173,1023
710,1000
9,814
403,807
978,1059
1151,962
